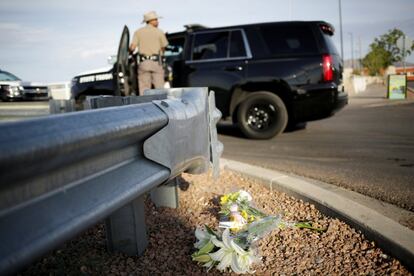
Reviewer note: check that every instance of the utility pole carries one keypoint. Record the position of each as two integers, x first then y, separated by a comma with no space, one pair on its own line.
403,54
360,54
352,50
404,43
340,28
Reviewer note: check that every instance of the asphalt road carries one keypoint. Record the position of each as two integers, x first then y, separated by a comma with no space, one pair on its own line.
368,147
13,111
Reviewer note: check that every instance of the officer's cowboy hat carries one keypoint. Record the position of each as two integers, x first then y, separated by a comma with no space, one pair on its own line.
150,16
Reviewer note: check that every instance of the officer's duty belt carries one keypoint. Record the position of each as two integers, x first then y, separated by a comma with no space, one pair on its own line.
153,57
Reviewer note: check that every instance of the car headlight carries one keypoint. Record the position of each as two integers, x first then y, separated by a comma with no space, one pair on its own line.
14,90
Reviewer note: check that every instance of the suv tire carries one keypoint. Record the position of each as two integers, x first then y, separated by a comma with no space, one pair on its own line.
262,115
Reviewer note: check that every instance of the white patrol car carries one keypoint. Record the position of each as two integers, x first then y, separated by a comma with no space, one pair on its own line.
13,88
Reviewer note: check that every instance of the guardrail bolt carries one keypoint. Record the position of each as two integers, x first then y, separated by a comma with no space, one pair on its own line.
164,104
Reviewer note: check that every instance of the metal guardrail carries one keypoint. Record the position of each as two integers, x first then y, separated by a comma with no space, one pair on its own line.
61,174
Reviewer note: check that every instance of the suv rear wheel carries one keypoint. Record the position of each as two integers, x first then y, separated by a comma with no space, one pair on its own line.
262,115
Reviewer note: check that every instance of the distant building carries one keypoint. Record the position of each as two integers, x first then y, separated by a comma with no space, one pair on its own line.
396,68
409,70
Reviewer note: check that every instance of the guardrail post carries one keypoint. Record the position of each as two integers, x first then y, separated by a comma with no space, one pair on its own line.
61,106
126,229
166,195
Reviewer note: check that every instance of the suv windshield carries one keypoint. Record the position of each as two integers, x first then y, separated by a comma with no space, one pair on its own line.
6,76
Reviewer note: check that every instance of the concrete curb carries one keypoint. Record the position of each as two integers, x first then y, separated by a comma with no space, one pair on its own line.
391,236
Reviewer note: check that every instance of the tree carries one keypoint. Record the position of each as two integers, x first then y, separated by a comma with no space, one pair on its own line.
384,52
376,60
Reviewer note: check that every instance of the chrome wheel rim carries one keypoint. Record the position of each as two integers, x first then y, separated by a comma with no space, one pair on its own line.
261,116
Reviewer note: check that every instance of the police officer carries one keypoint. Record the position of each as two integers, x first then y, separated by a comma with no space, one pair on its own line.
151,43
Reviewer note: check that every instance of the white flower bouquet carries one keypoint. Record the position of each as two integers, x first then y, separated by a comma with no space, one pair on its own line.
243,224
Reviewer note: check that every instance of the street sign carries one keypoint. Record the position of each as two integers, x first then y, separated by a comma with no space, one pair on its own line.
397,87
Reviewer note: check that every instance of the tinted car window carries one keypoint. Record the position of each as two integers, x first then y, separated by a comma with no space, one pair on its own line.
330,44
237,48
173,51
278,40
210,45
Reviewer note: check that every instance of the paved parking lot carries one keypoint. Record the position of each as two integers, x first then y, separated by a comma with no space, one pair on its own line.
368,147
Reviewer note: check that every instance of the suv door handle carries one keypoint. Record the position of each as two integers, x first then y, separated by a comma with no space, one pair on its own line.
233,68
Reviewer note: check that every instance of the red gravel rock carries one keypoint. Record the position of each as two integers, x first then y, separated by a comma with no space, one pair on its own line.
339,250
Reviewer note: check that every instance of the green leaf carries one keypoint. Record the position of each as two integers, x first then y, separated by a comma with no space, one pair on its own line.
255,212
203,258
206,248
308,225
212,232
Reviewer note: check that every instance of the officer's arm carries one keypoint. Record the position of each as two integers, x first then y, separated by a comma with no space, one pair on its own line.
134,43
164,43
132,47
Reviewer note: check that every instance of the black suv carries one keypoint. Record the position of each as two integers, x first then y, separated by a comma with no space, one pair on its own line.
265,76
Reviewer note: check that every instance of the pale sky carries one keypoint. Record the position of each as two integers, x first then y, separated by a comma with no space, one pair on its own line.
52,40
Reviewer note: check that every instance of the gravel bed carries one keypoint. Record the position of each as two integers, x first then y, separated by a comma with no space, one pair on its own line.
339,250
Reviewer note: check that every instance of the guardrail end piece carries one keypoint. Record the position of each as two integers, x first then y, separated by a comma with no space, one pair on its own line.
183,144
216,147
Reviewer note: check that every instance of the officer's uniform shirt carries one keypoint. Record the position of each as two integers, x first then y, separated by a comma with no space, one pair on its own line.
149,40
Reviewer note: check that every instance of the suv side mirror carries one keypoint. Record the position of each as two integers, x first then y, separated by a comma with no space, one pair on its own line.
112,59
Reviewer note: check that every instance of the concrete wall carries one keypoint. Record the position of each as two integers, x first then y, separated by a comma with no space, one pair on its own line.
355,84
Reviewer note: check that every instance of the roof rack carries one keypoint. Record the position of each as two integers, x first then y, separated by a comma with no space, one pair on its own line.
193,27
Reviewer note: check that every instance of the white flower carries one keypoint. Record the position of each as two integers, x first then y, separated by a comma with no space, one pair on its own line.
203,237
243,195
232,255
242,260
234,208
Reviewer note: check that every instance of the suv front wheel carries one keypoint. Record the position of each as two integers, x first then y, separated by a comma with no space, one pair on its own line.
262,115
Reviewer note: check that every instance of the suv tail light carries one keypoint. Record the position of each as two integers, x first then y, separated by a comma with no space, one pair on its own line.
327,68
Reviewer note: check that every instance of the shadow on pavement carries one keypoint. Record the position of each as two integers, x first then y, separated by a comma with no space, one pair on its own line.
227,128
296,127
